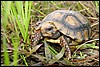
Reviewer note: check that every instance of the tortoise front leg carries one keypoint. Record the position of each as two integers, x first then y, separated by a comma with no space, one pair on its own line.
61,40
36,37
64,42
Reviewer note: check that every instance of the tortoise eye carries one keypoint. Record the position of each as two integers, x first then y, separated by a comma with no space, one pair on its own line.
49,28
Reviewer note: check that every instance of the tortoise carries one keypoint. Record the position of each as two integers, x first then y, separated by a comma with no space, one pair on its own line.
65,25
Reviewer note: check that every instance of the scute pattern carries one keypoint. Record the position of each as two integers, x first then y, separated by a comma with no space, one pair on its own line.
69,23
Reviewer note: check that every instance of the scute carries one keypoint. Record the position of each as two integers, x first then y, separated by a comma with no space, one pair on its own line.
72,21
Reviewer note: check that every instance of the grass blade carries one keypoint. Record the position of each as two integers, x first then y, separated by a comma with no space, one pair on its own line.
58,56
27,15
15,43
6,56
21,27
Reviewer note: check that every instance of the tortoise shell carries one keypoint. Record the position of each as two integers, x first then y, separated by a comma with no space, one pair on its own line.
70,23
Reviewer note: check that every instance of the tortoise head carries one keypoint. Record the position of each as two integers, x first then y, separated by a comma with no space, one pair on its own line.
48,30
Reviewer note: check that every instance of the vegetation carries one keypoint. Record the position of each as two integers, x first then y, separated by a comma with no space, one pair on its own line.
17,25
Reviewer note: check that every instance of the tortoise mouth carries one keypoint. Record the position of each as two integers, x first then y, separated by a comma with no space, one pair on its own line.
54,35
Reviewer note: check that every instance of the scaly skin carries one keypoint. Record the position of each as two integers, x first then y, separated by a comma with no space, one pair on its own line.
36,37
64,43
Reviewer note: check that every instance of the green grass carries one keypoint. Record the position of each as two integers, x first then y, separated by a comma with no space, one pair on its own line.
18,14
16,19
6,55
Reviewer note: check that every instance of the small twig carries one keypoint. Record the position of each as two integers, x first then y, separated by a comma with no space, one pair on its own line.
94,24
88,58
85,8
92,18
74,4
84,44
94,34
